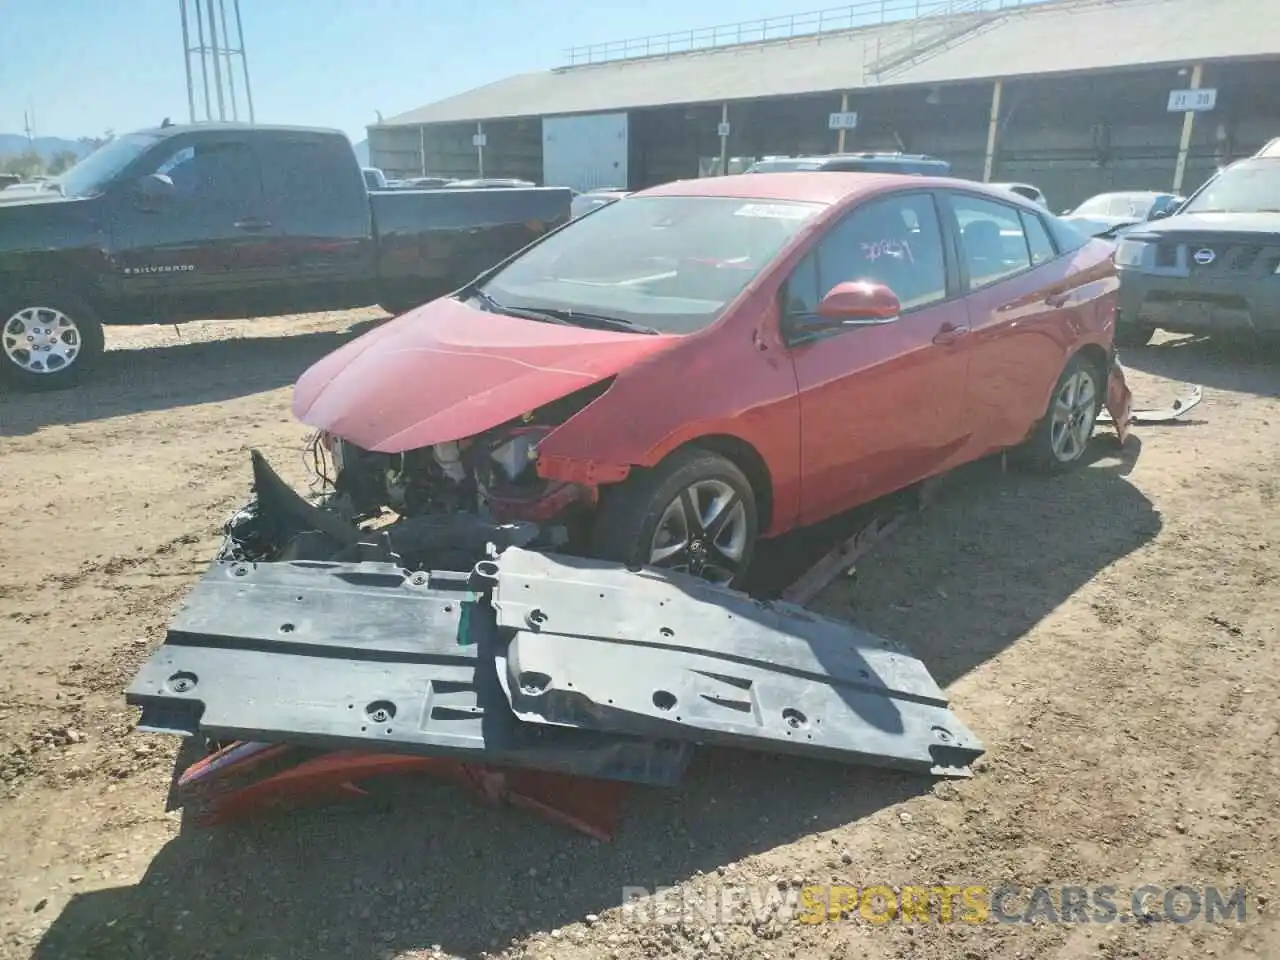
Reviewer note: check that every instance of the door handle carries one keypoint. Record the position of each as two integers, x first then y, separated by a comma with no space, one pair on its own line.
950,333
1056,300
253,223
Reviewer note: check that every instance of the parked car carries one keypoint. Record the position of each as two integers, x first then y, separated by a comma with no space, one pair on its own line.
487,183
419,183
374,179
593,200
9,180
1213,267
856,163
707,362
1108,213
1027,190
228,220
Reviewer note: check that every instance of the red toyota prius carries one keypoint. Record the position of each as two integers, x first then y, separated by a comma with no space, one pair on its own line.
696,366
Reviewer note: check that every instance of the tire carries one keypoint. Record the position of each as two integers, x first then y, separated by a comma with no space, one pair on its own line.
1049,449
1132,335
48,310
649,508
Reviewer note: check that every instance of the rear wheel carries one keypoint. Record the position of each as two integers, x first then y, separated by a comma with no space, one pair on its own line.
1062,436
694,513
48,340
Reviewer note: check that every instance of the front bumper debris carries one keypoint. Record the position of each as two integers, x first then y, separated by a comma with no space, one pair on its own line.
309,679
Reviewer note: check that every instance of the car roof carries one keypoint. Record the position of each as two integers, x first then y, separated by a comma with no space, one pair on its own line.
817,186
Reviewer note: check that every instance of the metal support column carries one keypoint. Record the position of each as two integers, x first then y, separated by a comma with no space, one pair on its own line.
724,139
186,62
480,148
215,56
1188,128
422,150
993,131
844,108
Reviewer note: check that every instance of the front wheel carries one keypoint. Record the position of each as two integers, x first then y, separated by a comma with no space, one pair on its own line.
48,341
694,513
1062,436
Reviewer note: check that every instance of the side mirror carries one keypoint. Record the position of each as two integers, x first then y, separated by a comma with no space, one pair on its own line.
857,303
153,191
1161,214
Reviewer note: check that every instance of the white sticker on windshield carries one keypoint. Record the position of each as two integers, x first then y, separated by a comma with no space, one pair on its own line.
773,211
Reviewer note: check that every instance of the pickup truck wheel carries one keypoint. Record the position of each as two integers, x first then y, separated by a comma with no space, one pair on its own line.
694,513
1062,436
47,340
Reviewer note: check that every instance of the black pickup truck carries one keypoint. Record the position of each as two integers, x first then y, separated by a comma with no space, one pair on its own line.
230,220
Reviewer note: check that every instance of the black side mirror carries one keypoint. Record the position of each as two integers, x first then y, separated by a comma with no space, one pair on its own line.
1160,214
153,191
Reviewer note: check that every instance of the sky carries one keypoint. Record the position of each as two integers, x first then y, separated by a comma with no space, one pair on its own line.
86,66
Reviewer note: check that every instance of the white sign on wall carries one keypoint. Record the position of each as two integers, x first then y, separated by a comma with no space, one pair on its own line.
843,121
1183,101
479,140
722,130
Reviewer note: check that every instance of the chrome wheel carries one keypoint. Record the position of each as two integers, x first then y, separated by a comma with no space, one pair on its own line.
1075,408
702,532
41,340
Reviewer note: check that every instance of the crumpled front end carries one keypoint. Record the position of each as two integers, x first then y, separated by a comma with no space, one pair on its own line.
315,650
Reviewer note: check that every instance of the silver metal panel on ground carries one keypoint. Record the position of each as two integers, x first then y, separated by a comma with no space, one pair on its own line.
361,656
600,647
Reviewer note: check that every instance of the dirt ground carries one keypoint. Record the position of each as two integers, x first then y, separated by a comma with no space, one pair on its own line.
1110,635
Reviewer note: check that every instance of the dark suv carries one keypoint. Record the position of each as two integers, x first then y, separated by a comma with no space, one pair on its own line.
857,163
1213,267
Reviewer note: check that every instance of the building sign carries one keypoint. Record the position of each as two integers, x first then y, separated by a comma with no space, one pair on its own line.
843,121
1183,101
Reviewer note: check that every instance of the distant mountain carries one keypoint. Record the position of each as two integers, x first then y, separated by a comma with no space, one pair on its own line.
362,152
12,144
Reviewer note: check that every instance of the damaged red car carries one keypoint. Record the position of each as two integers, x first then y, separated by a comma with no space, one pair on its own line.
678,374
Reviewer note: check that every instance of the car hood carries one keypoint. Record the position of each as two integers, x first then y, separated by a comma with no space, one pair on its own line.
447,371
1199,224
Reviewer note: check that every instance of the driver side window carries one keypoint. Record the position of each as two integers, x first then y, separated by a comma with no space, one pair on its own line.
895,241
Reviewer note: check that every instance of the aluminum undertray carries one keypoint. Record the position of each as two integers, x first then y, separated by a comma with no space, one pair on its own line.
599,647
362,656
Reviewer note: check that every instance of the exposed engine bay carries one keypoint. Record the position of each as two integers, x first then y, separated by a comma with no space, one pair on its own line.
420,508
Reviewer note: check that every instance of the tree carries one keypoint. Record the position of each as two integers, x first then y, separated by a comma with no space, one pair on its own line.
26,164
62,161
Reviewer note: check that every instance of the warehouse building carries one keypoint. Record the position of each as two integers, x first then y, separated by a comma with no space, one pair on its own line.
1075,96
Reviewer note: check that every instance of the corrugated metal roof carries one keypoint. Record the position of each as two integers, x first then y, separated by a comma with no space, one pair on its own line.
1044,39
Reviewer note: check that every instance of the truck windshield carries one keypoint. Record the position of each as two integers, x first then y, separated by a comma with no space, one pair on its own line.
671,264
99,168
1251,186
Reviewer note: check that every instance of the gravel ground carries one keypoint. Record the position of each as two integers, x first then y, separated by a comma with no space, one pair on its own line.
1110,635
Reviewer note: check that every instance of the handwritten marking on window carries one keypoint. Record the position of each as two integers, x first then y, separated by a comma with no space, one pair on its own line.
898,249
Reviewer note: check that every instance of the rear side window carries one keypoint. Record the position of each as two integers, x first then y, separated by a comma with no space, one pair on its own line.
993,242
309,177
895,241
1039,243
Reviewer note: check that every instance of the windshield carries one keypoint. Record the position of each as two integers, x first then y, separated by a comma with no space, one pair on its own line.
784,164
668,263
96,170
1247,187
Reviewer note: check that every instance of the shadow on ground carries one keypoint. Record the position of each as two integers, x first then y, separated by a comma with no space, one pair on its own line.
996,553
160,378
1222,364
